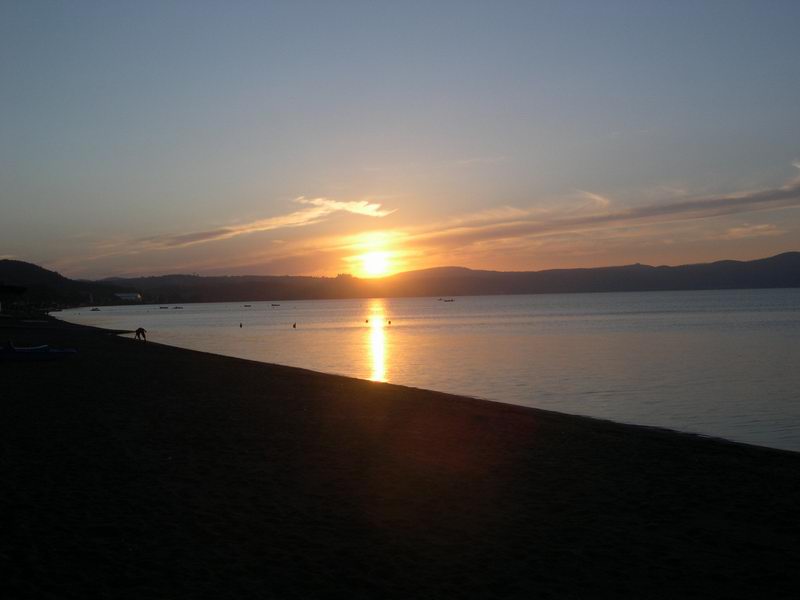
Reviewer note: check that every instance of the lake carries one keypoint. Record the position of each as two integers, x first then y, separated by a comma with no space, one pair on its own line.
719,363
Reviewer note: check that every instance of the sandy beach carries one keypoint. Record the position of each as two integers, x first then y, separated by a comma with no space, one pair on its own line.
135,470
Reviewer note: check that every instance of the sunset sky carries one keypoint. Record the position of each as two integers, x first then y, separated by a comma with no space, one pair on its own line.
373,137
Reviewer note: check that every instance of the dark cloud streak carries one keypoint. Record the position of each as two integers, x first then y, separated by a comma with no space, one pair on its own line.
784,197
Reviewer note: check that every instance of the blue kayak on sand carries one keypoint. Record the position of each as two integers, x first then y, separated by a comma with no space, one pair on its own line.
34,353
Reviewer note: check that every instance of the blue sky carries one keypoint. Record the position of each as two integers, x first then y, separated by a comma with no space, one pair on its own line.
295,137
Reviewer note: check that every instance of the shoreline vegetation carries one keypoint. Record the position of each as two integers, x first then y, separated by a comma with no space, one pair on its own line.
136,470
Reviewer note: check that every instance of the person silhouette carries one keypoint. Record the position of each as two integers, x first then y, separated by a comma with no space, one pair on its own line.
141,334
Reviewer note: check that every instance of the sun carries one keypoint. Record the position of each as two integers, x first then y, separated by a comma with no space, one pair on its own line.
374,254
375,264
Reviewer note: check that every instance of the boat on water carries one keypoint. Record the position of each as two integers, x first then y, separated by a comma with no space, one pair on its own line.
95,309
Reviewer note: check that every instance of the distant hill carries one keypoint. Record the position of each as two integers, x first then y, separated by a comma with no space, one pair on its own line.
782,270
48,288
44,286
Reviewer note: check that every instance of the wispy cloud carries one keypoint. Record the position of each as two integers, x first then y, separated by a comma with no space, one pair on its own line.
493,233
582,223
358,207
750,231
596,200
318,209
490,215
554,223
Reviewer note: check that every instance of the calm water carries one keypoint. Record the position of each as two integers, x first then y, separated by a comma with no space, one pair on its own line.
722,363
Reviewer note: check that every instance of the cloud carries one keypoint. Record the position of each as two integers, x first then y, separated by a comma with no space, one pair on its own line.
494,236
665,212
596,200
357,207
750,231
316,210
490,215
499,232
319,209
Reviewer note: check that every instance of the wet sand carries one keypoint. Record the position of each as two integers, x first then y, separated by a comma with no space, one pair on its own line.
134,470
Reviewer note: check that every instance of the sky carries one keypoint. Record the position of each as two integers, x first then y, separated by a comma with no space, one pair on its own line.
317,138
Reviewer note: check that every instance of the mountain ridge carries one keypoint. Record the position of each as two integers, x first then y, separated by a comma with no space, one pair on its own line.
781,270
45,287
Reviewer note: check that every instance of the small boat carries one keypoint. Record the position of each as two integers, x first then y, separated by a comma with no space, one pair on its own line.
34,353
162,307
276,305
248,306
95,309
178,307
449,300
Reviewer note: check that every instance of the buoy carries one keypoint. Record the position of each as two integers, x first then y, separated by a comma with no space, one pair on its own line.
294,325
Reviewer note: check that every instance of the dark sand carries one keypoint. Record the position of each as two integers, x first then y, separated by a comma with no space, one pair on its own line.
141,471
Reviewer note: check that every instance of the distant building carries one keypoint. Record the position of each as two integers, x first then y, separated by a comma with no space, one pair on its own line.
129,297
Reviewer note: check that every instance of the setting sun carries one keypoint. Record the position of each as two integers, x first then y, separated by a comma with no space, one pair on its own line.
375,254
375,264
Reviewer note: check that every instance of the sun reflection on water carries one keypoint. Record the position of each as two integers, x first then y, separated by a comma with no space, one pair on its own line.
377,339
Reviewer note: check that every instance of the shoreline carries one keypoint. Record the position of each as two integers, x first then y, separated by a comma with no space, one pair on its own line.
459,397
704,433
138,469
500,404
